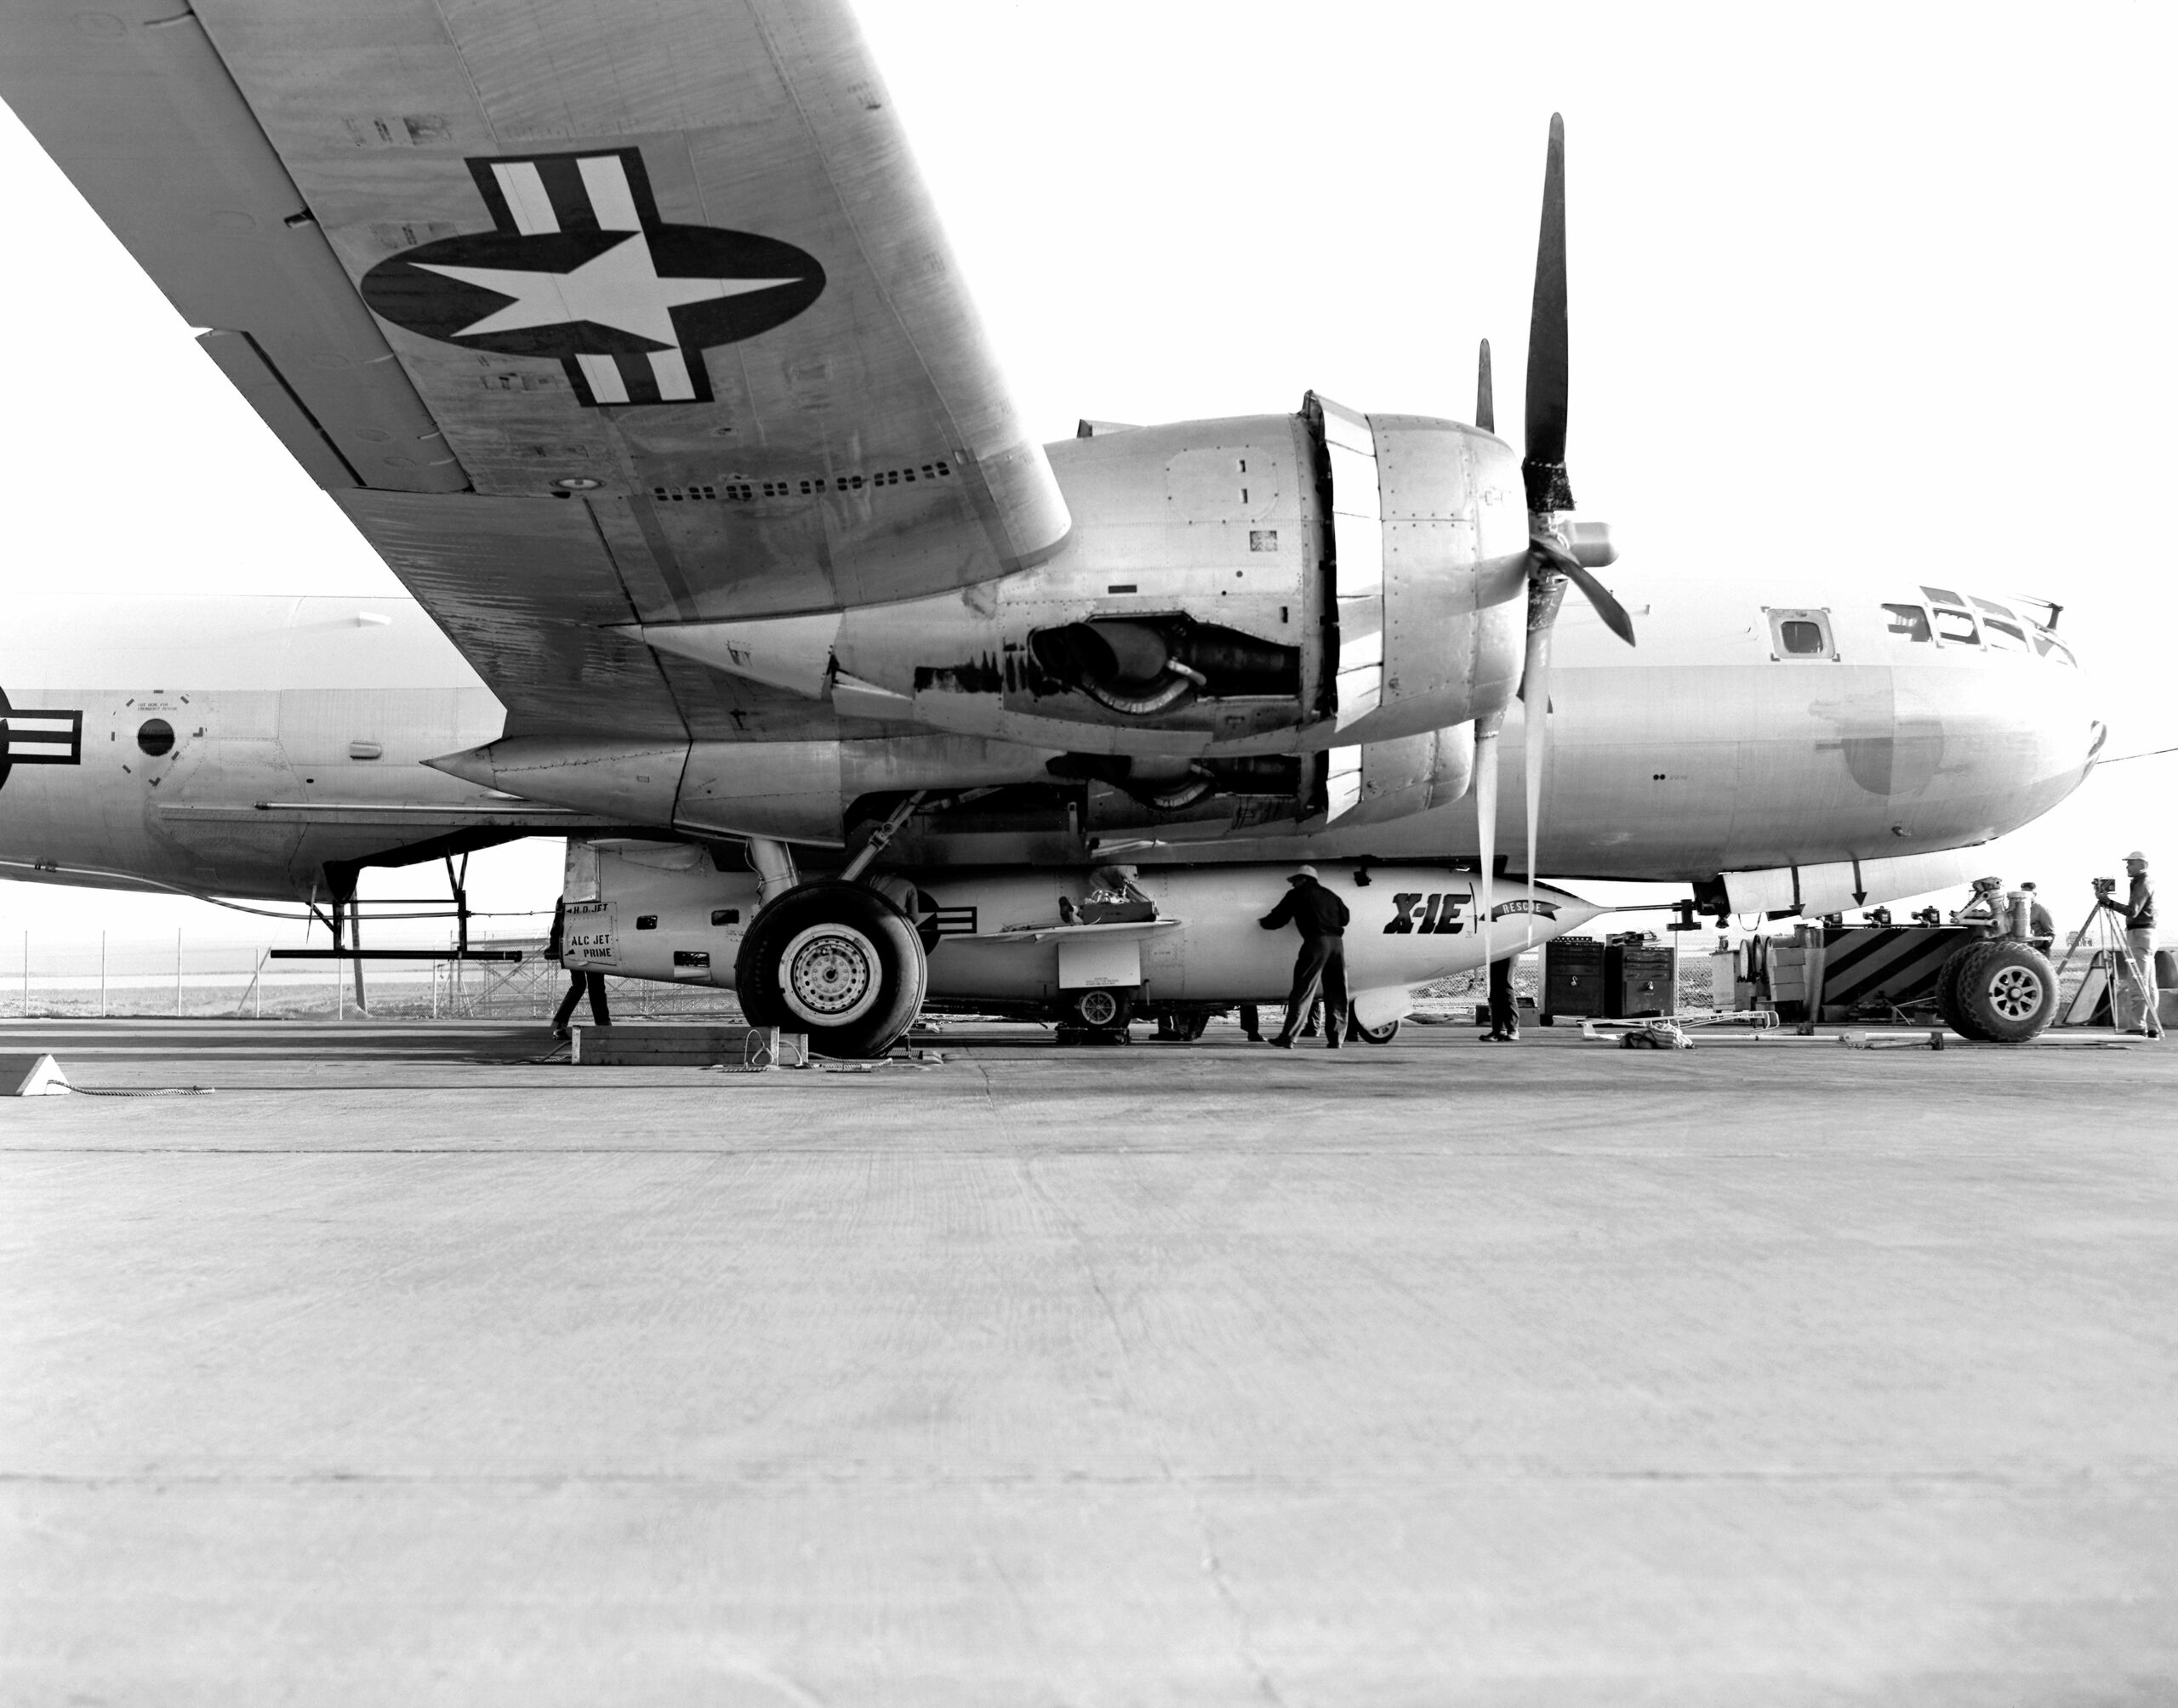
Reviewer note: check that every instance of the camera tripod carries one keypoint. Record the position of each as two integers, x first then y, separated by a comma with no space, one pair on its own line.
2109,955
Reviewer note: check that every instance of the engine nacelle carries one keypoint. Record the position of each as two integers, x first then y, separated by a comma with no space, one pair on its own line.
1000,938
1232,590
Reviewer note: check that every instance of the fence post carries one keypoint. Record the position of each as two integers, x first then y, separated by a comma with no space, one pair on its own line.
26,975
101,975
177,972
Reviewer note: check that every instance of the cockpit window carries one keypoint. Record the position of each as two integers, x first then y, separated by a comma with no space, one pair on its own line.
1909,620
1942,595
1801,635
2001,627
1957,626
2050,647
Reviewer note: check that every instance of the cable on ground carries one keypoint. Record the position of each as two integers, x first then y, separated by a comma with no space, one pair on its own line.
142,1092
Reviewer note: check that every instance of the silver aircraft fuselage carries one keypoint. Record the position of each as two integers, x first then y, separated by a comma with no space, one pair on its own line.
1891,722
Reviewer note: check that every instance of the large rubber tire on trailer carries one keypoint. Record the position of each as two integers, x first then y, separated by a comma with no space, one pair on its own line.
2008,990
836,961
1948,1003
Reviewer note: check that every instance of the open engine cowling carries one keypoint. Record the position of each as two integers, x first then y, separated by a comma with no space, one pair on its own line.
1232,590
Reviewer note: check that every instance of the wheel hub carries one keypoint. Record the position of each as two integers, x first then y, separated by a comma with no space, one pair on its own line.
2015,992
829,974
1099,1008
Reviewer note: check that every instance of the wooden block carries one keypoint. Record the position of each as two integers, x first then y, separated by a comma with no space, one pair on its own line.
31,1076
625,1045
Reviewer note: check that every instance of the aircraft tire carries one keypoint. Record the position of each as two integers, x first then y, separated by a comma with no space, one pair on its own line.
836,961
1372,1034
2008,989
1948,1009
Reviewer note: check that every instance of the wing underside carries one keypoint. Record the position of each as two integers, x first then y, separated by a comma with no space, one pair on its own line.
586,315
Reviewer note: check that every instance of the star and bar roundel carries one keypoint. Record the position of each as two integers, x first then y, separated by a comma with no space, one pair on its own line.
581,269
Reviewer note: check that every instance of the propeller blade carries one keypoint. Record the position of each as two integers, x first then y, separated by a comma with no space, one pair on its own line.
1485,818
1544,469
1485,400
1543,600
1548,557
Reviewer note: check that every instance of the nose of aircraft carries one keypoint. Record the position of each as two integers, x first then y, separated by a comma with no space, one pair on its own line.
2056,737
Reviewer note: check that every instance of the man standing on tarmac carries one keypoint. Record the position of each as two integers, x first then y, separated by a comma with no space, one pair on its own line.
2139,910
1504,1012
579,983
1321,965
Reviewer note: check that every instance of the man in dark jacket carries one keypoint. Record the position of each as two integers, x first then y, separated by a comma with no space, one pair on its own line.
1320,968
578,983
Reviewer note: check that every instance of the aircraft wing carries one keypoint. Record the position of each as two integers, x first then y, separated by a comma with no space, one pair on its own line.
585,313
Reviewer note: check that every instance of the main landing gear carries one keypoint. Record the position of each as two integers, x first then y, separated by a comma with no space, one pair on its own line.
836,961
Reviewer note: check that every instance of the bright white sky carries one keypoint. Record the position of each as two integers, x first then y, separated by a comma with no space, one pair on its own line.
1864,286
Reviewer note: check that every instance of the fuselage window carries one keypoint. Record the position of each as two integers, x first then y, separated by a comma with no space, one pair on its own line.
1909,620
156,736
1801,635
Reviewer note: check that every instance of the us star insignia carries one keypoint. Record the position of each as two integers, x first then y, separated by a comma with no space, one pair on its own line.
579,267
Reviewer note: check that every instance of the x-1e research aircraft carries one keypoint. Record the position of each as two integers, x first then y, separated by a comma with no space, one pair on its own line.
632,343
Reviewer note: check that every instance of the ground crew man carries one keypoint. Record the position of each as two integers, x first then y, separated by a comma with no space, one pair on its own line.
1504,1012
2138,910
2041,926
578,982
1320,968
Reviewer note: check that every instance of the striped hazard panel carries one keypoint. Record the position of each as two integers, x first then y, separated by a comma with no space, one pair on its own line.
1895,964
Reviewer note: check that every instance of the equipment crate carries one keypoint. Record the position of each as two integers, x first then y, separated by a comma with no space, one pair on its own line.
1639,979
1573,980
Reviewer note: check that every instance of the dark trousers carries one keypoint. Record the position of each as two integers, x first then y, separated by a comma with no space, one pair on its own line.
1504,1016
1320,970
578,982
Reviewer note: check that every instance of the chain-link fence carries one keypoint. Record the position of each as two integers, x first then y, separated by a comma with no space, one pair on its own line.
198,979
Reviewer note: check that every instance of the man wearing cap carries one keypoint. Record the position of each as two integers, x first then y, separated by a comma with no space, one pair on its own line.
2139,910
1321,965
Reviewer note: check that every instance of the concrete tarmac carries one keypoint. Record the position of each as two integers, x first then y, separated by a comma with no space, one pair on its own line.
402,1370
